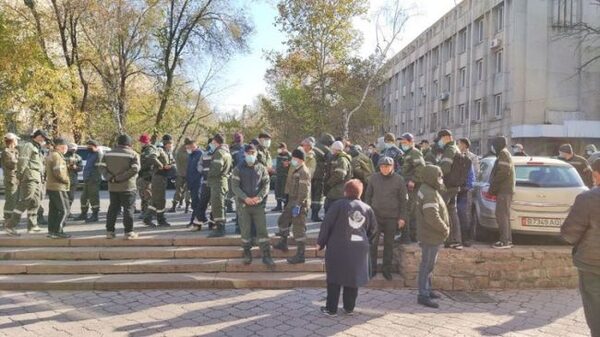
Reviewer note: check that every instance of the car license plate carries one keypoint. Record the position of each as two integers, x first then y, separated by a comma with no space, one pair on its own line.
542,222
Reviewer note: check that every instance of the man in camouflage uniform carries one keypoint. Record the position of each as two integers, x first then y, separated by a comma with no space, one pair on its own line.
90,196
298,190
30,172
57,187
144,179
218,175
322,156
281,171
446,142
10,158
590,149
164,166
74,166
578,162
340,171
310,159
362,166
391,150
428,153
181,190
263,154
237,155
412,167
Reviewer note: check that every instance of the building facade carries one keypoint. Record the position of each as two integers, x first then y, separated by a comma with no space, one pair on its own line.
500,67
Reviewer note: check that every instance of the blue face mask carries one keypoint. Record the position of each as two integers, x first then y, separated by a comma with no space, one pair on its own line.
250,159
406,147
212,146
441,143
295,163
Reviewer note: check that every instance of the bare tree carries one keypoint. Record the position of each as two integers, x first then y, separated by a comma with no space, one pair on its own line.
393,17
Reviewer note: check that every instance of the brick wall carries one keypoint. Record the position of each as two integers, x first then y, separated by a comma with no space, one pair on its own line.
481,267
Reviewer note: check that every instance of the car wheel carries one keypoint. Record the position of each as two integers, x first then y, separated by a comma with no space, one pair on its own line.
482,234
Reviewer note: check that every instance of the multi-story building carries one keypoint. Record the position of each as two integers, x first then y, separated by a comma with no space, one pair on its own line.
500,67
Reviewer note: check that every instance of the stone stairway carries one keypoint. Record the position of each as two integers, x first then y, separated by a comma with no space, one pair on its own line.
171,259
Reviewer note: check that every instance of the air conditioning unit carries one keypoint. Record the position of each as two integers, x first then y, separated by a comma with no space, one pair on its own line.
424,93
404,91
495,43
444,96
421,131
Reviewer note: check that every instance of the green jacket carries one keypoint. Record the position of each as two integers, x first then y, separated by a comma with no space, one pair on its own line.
387,196
120,167
321,156
310,161
263,156
429,157
502,178
340,171
249,182
583,168
362,168
297,186
283,164
432,215
10,158
181,160
57,178
412,165
148,160
450,151
162,158
220,167
30,166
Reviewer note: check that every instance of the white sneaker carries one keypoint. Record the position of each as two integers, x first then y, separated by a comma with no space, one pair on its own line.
131,235
34,229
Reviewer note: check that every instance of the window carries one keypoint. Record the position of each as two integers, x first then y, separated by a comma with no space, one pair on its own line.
462,73
434,90
421,65
546,176
499,17
447,119
479,69
564,13
479,30
433,123
449,49
462,114
448,84
462,41
477,108
498,105
435,56
498,61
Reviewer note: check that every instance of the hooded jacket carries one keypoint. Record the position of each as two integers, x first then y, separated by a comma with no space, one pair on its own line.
432,215
502,178
340,171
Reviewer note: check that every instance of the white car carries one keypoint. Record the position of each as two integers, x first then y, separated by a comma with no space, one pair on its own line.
83,152
544,194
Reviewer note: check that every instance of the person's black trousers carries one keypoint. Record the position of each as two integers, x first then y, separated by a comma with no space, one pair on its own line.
333,297
204,200
118,200
58,210
589,287
195,194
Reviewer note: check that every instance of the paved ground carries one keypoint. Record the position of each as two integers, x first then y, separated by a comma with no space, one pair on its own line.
284,313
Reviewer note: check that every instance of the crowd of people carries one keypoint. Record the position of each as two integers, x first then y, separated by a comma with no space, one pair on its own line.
413,192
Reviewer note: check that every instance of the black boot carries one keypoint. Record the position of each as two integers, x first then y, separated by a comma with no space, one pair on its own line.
428,302
173,208
41,220
82,216
315,214
299,257
187,208
278,207
266,257
247,258
148,216
282,244
218,231
162,220
229,206
93,217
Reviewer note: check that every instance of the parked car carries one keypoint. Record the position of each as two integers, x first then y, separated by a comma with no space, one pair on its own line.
83,152
545,191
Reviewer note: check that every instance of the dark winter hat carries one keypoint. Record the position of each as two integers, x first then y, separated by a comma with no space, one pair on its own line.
389,137
408,136
60,141
92,143
444,133
249,148
297,153
386,161
124,140
264,134
327,139
40,132
219,138
167,139
566,148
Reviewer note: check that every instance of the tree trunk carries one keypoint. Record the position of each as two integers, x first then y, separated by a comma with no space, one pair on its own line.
163,105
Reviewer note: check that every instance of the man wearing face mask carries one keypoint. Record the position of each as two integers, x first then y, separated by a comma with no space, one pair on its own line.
194,179
322,154
565,152
412,167
250,182
340,171
90,195
590,149
181,190
450,152
502,185
282,168
298,190
263,155
30,171
386,194
518,150
57,187
164,165
218,175
391,150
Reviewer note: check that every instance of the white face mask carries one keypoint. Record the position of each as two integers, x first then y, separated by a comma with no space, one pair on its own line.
43,143
188,151
492,149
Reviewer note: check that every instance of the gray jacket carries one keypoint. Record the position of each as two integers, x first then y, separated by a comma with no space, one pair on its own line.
387,196
120,168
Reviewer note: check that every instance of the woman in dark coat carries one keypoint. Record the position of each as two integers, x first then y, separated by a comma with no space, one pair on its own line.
345,232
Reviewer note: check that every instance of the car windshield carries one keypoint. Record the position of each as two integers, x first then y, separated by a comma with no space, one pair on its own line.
547,176
83,153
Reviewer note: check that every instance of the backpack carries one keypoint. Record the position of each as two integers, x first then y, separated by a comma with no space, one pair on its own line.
459,171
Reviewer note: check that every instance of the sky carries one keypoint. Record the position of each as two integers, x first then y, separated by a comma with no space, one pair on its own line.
243,77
